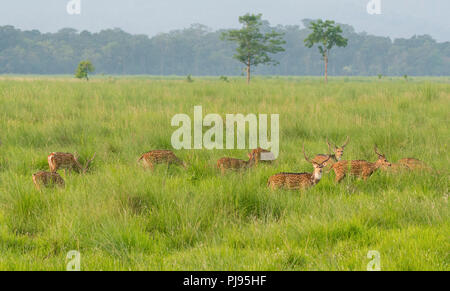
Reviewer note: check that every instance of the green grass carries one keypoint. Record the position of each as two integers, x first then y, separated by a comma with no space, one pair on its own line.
122,218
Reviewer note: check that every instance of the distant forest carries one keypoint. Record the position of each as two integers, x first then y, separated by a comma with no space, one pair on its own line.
199,51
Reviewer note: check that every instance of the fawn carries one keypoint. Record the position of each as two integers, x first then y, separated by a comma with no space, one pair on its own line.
67,161
295,181
334,158
268,157
359,168
47,179
235,164
150,159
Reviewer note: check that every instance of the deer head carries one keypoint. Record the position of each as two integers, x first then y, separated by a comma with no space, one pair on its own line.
318,168
88,162
382,161
338,151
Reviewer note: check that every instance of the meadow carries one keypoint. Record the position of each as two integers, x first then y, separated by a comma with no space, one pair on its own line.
120,217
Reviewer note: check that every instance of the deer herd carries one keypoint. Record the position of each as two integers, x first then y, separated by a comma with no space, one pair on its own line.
290,181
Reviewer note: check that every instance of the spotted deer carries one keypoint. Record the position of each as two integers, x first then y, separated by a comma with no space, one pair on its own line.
224,164
47,179
408,164
359,168
67,161
150,159
296,181
336,157
263,156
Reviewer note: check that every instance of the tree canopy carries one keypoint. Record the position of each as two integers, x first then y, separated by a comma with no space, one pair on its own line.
254,46
198,50
327,35
84,69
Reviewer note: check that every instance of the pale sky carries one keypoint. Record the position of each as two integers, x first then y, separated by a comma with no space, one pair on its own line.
399,18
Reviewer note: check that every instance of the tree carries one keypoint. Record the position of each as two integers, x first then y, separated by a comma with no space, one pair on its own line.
254,46
83,70
327,35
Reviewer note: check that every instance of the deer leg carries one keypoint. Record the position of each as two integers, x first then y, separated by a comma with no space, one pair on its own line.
339,178
36,184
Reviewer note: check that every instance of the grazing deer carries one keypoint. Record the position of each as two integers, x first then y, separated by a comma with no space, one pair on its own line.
235,164
414,164
150,159
334,158
408,164
66,161
47,179
263,156
295,181
359,168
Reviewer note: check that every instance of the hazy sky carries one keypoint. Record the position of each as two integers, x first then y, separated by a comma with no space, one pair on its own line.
399,18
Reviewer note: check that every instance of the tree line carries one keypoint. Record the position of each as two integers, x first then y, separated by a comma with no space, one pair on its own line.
198,50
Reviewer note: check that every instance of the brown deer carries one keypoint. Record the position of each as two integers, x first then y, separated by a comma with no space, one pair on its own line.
68,162
359,168
47,179
263,156
235,164
408,164
336,157
295,181
150,159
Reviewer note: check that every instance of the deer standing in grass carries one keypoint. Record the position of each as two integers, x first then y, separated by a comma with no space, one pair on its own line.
150,159
263,156
47,179
333,158
68,162
235,164
359,168
295,181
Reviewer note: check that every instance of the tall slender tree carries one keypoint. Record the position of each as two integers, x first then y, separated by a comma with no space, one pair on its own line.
254,46
327,35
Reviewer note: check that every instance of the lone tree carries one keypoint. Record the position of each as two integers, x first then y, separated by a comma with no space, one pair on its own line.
327,35
254,46
83,70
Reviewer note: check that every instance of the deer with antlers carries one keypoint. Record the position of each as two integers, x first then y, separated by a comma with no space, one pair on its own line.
224,164
296,181
47,179
68,162
359,168
338,153
150,159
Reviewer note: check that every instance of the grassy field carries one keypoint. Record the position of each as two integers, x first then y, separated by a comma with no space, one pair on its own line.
120,217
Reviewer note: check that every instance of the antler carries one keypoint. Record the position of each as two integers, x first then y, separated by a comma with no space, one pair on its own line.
329,157
88,162
346,142
306,158
329,146
376,151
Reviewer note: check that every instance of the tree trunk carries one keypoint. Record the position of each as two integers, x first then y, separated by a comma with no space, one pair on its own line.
248,74
326,68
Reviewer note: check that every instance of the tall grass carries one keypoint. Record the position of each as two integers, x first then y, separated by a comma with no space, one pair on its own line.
120,217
